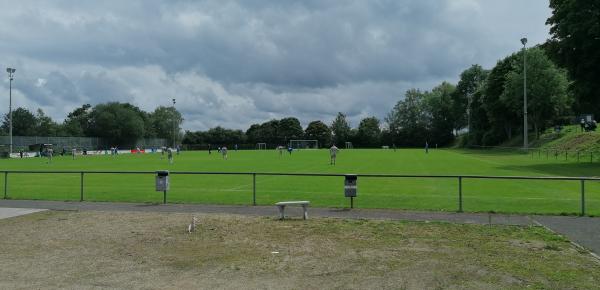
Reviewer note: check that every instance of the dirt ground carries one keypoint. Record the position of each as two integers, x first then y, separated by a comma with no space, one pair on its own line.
134,250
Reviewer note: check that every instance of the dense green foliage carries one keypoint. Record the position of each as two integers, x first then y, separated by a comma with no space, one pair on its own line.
575,45
119,123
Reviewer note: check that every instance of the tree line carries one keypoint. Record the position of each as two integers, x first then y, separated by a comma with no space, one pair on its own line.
118,123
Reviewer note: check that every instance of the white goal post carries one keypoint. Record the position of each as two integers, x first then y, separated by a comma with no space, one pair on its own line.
349,145
261,146
304,144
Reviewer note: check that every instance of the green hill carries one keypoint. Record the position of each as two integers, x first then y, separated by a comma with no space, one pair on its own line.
569,138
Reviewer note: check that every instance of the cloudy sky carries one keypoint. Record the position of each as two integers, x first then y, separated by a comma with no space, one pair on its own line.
234,63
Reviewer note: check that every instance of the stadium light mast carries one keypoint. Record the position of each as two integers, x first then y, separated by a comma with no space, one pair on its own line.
11,73
524,42
174,124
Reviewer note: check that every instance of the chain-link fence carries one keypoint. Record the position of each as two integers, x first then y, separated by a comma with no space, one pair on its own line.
90,143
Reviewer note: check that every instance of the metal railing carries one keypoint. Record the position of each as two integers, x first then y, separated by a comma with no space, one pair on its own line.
459,179
548,153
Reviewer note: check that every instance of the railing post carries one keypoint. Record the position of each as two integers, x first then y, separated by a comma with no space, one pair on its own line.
165,197
81,188
460,202
253,188
5,184
582,197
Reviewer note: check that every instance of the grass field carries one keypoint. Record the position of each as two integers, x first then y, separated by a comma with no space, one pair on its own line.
124,250
554,197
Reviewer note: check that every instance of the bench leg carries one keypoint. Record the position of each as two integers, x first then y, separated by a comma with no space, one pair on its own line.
281,207
305,211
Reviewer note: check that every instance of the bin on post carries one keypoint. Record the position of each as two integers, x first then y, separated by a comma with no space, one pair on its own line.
162,183
350,189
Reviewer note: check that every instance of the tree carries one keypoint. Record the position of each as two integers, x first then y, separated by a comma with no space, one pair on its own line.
575,44
470,81
253,134
439,108
547,95
289,128
77,122
166,123
24,123
45,126
317,130
408,120
267,132
369,132
340,129
121,124
501,119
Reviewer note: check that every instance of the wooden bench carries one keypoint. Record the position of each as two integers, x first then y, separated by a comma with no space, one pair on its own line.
281,206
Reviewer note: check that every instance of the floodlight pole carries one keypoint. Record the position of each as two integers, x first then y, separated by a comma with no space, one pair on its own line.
11,72
174,124
524,42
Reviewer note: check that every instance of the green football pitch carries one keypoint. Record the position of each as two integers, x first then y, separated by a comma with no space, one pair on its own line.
510,196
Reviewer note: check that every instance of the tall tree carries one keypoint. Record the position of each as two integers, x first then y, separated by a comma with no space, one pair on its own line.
268,132
23,122
502,120
547,95
77,122
289,128
119,123
340,129
317,130
439,107
253,134
575,43
470,81
45,126
408,120
369,132
166,123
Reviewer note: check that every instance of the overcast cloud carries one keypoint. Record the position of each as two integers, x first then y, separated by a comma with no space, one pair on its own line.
234,63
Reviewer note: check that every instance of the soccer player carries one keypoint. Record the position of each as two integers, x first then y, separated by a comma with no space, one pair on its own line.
209,149
224,152
290,149
426,147
49,152
333,153
170,155
280,148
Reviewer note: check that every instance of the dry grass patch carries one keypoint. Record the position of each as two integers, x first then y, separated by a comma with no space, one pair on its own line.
95,250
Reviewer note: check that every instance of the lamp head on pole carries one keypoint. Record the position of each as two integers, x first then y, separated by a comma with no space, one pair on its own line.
173,101
10,72
524,40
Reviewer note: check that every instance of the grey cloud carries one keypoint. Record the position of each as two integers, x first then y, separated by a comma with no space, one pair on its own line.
232,63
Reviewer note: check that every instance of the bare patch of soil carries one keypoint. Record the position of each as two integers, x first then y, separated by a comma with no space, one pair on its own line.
99,250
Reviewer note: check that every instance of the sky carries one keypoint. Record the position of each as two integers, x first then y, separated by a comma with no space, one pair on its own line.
236,63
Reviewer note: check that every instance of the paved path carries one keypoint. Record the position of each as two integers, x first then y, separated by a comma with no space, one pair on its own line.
584,231
7,212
